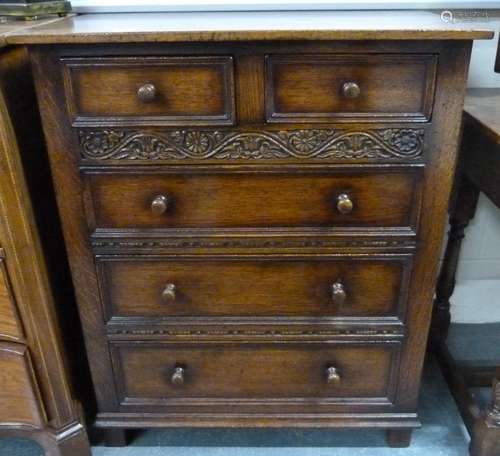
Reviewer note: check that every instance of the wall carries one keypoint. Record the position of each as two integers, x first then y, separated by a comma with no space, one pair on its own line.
103,6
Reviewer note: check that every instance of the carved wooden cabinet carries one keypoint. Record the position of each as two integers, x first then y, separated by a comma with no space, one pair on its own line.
37,398
253,224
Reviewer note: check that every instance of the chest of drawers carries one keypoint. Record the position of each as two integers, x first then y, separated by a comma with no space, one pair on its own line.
253,224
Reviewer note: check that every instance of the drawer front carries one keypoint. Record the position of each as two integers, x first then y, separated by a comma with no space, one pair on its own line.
198,287
224,200
19,396
159,375
159,90
374,87
10,326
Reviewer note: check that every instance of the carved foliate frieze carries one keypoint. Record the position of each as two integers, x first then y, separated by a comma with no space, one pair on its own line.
317,144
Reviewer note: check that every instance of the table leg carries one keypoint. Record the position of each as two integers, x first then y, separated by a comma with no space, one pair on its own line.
460,216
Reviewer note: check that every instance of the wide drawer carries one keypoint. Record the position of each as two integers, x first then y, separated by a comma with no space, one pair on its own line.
328,286
10,325
247,200
20,402
150,90
158,375
376,87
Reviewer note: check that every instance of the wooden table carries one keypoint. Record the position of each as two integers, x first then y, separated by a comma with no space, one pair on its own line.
479,171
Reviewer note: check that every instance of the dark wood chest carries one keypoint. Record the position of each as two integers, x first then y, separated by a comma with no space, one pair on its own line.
254,228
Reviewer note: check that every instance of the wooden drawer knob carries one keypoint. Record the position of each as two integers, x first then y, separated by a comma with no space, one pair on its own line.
178,376
332,375
339,294
351,90
159,205
344,204
146,93
168,293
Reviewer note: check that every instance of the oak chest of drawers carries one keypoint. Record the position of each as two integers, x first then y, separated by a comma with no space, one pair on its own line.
254,225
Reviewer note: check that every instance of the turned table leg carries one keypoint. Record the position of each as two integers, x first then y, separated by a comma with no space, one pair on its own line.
460,216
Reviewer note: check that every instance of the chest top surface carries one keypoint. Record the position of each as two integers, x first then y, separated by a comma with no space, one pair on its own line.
243,26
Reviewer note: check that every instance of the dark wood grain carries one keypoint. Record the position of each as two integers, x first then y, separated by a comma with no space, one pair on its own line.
229,287
227,373
218,261
184,90
309,88
222,200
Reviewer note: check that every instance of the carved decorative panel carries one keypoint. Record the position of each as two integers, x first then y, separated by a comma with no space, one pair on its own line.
318,144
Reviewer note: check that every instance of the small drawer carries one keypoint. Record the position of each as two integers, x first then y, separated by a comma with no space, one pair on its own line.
20,401
313,374
368,87
226,200
335,287
10,325
150,90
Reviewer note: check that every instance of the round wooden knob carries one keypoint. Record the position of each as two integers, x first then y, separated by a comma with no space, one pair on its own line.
178,376
168,293
146,93
159,205
332,375
344,204
351,90
339,294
